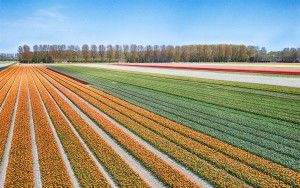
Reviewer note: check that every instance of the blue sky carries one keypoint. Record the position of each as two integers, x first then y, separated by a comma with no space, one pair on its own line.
274,24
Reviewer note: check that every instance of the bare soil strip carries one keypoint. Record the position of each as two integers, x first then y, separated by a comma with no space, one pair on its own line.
35,156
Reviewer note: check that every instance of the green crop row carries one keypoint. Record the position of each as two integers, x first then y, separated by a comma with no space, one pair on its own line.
108,106
258,125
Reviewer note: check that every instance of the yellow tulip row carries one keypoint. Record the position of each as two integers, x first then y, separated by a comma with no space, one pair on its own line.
119,169
20,165
278,171
241,170
9,75
215,175
52,167
82,163
163,171
7,71
252,168
7,110
5,84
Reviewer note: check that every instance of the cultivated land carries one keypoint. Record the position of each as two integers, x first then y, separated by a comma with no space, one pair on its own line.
271,68
259,78
125,129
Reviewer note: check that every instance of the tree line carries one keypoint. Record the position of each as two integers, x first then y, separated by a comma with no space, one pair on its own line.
8,57
153,53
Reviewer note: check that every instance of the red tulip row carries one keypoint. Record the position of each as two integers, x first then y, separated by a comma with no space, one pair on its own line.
20,166
119,169
215,175
82,163
52,167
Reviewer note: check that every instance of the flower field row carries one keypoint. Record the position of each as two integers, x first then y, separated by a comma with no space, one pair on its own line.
252,160
209,93
7,71
279,172
119,169
83,165
6,85
270,138
169,175
286,147
218,159
20,166
52,167
241,170
246,157
6,114
58,132
190,160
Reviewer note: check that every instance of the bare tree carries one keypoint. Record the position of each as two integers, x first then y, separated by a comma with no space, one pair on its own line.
85,52
93,52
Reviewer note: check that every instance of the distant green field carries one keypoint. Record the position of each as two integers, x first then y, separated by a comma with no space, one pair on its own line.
262,119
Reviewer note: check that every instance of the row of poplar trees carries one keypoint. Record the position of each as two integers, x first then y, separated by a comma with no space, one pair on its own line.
140,53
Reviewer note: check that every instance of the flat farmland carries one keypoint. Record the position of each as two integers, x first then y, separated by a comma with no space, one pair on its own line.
266,68
74,126
222,73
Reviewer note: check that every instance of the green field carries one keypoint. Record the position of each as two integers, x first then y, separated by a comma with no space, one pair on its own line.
261,119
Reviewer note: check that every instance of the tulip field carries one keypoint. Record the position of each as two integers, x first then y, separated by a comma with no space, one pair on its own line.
71,126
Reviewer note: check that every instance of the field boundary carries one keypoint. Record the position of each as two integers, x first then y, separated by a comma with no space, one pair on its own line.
69,76
265,71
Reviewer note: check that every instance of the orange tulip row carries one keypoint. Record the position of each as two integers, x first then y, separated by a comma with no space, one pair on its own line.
82,163
6,71
119,169
20,166
52,167
7,113
6,85
198,142
241,170
285,174
6,75
215,175
166,173
208,148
